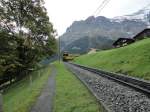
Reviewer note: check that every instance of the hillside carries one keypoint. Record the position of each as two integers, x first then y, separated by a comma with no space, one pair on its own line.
133,59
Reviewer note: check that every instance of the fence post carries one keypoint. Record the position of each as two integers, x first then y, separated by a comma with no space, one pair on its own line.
1,103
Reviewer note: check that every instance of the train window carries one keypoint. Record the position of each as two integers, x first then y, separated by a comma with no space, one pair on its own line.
65,54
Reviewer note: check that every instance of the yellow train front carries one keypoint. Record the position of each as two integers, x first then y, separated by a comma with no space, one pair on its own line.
68,57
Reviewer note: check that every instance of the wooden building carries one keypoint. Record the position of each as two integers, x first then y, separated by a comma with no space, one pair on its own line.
143,34
123,42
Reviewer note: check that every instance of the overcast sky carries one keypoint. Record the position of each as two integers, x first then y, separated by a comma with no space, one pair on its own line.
63,12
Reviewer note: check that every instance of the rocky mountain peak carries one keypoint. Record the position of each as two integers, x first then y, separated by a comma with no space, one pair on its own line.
142,15
102,31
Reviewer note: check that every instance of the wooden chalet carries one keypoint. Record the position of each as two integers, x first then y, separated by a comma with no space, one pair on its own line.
123,42
143,34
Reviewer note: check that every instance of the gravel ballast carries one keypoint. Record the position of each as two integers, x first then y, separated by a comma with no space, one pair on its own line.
116,97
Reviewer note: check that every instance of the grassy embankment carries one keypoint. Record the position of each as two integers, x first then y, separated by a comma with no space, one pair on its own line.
133,59
20,96
71,94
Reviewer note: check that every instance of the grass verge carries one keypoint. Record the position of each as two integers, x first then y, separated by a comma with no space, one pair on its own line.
20,96
133,59
71,94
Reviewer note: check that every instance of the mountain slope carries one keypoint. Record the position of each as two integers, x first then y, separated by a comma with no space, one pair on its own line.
84,44
133,59
106,28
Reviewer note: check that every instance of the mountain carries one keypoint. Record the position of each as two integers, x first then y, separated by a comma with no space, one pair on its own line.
104,29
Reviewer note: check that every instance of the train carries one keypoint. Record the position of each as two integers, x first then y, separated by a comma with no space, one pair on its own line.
68,56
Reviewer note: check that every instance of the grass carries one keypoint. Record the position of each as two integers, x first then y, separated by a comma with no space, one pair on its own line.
133,59
21,96
71,94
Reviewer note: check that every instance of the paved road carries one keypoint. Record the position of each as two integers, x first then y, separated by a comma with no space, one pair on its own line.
44,102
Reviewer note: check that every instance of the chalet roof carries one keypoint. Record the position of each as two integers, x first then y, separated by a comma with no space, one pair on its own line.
143,31
120,39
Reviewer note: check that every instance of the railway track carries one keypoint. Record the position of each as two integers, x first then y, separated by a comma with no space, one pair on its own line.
132,91
140,85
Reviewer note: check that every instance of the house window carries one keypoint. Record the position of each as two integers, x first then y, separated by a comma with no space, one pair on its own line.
124,40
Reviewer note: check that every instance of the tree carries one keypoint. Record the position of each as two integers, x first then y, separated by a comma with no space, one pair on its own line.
26,26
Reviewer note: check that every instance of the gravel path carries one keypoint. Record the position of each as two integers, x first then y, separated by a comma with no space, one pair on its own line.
117,98
45,101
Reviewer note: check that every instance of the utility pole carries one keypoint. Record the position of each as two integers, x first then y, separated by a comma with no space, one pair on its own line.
89,39
59,50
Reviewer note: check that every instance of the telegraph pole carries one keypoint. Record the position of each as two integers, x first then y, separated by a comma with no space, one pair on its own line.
59,50
89,39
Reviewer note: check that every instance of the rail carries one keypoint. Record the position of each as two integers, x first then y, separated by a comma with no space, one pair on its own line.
138,84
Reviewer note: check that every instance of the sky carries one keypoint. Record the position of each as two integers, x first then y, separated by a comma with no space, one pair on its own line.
62,13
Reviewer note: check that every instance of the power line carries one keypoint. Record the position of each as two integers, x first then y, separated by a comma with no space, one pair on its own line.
100,10
101,7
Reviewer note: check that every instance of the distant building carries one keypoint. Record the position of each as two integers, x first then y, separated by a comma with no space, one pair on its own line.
92,50
123,42
143,34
